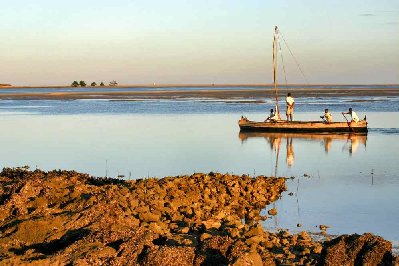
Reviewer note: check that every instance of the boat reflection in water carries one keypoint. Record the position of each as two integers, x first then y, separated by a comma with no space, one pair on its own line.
309,155
351,141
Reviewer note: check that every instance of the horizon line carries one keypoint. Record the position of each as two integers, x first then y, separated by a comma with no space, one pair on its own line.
193,85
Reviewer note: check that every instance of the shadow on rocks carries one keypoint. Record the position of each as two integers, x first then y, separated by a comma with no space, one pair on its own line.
366,249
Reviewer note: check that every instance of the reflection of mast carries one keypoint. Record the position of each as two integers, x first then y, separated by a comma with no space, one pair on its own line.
276,146
297,201
275,167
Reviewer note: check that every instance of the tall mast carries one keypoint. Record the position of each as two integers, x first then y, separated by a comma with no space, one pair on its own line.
275,69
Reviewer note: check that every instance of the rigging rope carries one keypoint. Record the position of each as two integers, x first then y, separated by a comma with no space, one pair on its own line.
282,62
300,69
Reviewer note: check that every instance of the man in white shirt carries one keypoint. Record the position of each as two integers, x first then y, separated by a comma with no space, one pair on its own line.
327,117
354,117
272,117
290,106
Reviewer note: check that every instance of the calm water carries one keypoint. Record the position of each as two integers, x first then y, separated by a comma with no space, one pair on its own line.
350,183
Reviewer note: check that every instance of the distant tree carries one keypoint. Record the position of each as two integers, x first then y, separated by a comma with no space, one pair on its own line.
102,84
113,83
82,83
75,84
93,84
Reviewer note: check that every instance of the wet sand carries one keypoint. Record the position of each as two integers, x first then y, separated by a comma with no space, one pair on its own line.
223,93
64,217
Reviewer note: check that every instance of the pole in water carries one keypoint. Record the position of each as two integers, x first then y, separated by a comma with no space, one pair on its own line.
106,168
372,176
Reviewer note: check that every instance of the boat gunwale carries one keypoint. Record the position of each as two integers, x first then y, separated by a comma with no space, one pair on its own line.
300,122
303,126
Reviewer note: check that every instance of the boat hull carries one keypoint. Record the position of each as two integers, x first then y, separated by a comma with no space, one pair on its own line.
302,126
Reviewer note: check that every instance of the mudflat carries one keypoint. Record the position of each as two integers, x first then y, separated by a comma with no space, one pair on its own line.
203,91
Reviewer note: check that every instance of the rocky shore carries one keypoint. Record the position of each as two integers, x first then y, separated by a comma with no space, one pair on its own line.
64,217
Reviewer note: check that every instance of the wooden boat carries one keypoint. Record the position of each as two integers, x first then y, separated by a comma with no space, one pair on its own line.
297,126
302,126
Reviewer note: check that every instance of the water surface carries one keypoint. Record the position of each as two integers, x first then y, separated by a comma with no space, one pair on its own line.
345,181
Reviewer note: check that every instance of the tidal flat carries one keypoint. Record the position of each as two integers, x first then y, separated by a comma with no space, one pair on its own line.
187,92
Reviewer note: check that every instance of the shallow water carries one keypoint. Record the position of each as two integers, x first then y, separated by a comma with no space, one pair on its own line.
347,182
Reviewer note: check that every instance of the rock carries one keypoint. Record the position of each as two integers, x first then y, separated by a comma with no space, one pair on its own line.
298,225
305,251
366,249
272,212
211,224
220,243
168,256
67,218
149,217
317,249
284,242
255,231
303,235
249,259
323,227
254,240
215,250
184,230
234,232
205,236
154,227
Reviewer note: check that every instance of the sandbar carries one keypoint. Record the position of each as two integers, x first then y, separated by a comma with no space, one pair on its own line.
204,92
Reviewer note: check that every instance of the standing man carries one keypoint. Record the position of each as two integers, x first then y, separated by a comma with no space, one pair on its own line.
290,107
354,117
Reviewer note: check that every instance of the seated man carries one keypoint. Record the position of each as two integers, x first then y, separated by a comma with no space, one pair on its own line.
354,117
272,116
327,117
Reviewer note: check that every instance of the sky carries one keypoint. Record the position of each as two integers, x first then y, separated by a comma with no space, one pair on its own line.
47,42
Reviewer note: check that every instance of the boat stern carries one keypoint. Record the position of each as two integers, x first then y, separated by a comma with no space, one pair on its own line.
243,120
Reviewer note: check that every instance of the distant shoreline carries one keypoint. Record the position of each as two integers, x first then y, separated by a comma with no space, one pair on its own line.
245,85
226,93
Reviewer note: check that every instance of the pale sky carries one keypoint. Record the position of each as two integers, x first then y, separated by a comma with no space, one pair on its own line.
47,42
